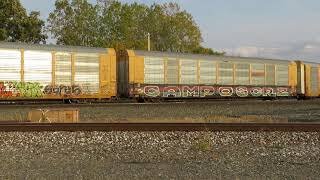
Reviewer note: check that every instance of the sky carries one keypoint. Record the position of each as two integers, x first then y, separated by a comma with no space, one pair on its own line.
282,29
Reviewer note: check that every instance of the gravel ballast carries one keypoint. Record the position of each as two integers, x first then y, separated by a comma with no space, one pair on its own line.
207,111
160,155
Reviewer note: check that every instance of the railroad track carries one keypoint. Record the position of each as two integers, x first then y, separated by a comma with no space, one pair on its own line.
126,103
25,127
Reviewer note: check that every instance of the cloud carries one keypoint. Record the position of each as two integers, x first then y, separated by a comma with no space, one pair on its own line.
301,50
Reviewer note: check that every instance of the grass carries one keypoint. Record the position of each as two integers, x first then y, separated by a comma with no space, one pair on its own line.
203,143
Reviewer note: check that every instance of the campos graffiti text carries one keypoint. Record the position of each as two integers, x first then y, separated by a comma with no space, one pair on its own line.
210,91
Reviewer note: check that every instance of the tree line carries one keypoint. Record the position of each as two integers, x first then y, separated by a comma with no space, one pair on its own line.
106,23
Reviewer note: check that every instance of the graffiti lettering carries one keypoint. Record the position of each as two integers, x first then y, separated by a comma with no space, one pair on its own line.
256,91
268,91
34,89
190,91
225,91
242,91
282,91
152,91
171,91
20,89
206,91
62,90
210,91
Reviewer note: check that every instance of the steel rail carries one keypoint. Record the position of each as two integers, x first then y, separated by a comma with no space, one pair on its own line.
25,127
142,104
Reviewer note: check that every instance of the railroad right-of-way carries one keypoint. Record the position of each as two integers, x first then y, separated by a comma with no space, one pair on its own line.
160,155
279,111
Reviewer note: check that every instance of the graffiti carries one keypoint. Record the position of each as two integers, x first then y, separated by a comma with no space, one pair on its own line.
190,91
271,92
152,91
282,91
206,91
62,90
210,91
242,91
35,89
171,91
225,91
256,91
20,89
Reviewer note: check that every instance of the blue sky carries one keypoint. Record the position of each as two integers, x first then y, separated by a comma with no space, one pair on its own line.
285,29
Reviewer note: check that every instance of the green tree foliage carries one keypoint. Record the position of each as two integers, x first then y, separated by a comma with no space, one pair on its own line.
110,23
74,23
203,50
17,25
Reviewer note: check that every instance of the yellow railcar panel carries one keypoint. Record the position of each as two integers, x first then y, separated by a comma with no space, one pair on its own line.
293,75
132,60
103,75
307,80
136,68
113,73
107,75
139,69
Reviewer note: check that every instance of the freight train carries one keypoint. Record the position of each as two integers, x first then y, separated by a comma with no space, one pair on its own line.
44,72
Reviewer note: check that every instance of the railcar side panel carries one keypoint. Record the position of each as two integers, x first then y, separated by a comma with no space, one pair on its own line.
293,76
56,72
307,80
201,76
112,73
300,78
311,80
136,69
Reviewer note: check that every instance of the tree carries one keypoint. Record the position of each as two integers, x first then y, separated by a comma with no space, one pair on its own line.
209,51
74,23
17,25
110,23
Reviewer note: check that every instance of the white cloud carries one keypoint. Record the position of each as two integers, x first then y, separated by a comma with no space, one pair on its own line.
302,50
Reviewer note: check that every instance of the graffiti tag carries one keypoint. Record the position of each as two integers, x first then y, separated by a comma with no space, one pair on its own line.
210,91
62,90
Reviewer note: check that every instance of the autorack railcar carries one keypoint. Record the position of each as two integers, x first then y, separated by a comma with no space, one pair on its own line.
56,72
177,75
67,72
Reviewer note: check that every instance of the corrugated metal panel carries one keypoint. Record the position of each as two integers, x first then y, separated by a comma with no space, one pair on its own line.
257,74
51,47
63,69
242,74
314,80
10,65
172,71
188,71
38,67
209,57
87,72
225,74
270,74
282,75
208,72
153,70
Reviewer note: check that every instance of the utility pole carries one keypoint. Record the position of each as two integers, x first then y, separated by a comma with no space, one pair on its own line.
148,41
